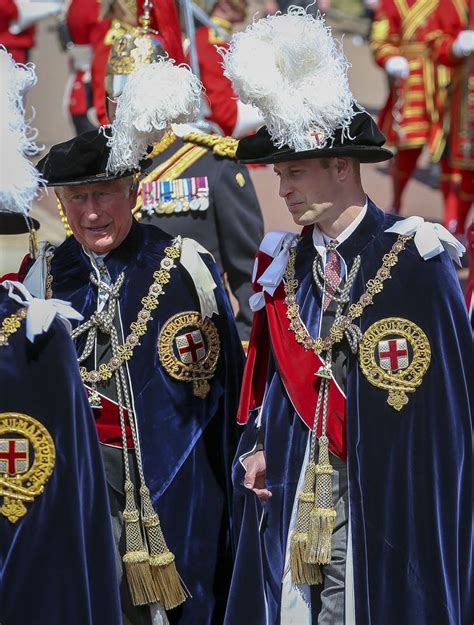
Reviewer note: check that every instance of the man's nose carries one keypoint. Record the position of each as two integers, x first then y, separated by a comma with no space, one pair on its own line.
284,188
93,209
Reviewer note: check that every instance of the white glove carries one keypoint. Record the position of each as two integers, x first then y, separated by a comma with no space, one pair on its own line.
397,67
464,44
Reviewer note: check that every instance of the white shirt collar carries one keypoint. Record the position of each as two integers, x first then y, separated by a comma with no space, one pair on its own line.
320,240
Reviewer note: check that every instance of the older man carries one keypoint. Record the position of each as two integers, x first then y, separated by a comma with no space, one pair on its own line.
157,350
356,397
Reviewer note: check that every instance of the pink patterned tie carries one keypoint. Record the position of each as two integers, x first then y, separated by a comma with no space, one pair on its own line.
332,274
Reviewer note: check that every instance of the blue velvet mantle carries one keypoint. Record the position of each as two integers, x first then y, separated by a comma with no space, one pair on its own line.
57,562
187,443
410,472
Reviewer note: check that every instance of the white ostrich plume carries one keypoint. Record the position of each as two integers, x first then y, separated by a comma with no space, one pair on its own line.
155,96
292,69
19,180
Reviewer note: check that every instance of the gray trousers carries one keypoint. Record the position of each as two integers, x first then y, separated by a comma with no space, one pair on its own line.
333,593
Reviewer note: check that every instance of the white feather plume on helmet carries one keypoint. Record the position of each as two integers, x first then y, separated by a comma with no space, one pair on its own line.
292,69
19,182
155,96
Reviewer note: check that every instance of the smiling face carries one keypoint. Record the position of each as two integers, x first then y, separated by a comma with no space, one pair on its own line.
99,214
309,188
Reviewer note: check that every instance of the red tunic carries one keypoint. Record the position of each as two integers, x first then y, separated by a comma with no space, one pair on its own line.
400,29
220,95
84,22
17,45
447,22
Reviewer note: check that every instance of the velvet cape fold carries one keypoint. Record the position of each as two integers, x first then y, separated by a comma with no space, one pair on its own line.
57,562
410,472
187,443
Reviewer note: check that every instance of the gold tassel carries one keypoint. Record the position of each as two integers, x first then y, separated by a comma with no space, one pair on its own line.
323,514
301,571
167,581
136,559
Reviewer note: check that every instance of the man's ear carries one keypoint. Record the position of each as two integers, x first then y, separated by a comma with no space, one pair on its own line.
343,167
57,193
134,194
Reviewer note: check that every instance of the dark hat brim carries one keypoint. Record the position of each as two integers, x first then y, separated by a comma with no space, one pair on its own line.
362,141
364,154
14,223
80,160
90,179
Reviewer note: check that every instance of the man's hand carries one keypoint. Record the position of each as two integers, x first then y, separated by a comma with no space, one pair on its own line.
254,479
464,44
397,67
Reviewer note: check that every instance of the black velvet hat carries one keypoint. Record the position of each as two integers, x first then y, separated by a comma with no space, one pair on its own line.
363,141
81,160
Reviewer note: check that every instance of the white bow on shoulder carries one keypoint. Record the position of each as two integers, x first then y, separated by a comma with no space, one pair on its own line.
40,312
430,239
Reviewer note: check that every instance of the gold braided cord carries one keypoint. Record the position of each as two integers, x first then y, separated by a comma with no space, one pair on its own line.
10,325
222,146
63,218
139,327
163,144
374,285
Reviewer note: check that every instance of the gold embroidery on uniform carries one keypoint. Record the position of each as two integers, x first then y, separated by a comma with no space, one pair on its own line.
200,369
10,325
404,380
20,481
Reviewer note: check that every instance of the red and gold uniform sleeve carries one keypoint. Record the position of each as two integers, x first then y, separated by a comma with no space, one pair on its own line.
101,45
220,95
384,40
446,23
17,45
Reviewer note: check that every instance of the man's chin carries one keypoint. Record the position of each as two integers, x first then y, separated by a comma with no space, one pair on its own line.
100,246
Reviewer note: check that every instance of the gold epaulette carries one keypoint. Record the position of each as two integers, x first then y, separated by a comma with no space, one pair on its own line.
222,146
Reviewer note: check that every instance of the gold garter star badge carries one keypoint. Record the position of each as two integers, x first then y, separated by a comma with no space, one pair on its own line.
188,348
395,355
27,457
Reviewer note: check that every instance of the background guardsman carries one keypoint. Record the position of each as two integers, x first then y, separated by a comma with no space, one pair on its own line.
56,550
358,435
160,356
123,17
83,31
17,24
194,188
416,86
221,106
452,42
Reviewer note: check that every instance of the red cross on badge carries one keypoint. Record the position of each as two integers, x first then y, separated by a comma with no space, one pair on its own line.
191,347
393,354
13,456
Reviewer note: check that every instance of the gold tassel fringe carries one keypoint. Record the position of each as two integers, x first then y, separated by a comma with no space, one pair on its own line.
139,578
136,559
302,572
166,578
321,526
